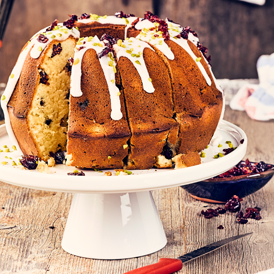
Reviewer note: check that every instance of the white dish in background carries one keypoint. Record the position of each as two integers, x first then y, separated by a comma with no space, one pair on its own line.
256,2
115,217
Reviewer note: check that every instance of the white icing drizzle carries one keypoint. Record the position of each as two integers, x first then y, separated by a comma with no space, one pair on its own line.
183,43
108,66
33,46
144,24
133,49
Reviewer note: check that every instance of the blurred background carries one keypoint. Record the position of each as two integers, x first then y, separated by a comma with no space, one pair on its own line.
235,32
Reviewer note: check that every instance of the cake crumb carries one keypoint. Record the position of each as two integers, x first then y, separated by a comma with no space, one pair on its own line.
107,173
43,167
163,162
51,162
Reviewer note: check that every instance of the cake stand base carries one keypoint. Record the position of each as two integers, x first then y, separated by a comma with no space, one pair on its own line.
113,226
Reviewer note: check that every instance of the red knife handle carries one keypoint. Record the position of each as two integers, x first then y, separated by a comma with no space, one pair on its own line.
164,266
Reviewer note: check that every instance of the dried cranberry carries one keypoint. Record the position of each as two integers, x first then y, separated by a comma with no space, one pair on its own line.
242,221
135,22
84,16
108,41
42,38
163,27
43,77
121,14
70,22
167,152
252,213
56,49
220,227
29,161
53,25
81,173
233,204
242,141
59,157
228,150
221,210
80,48
210,213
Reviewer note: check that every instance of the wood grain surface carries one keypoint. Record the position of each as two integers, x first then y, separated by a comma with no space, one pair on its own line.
236,33
32,224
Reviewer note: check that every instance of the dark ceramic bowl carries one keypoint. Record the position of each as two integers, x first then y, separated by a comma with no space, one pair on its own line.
220,190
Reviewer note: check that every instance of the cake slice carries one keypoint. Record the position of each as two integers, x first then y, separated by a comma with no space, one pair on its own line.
148,96
38,91
98,128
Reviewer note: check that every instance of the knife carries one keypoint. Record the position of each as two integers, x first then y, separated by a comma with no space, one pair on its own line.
168,266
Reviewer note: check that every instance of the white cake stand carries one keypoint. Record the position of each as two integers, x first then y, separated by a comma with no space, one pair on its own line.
115,217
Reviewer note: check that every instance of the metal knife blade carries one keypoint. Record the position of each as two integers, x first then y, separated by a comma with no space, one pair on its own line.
208,248
168,266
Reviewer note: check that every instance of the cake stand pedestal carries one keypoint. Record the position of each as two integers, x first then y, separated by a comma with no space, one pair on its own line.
114,217
113,226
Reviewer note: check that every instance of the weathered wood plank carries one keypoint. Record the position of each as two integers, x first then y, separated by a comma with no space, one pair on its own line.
37,220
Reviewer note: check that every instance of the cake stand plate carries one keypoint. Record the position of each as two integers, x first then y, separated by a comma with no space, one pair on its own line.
114,217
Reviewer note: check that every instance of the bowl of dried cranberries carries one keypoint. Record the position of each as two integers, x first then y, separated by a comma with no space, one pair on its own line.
243,179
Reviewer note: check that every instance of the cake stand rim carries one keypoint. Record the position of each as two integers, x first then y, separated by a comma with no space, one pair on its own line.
133,183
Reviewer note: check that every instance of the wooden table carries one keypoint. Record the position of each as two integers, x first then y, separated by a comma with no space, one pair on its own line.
37,220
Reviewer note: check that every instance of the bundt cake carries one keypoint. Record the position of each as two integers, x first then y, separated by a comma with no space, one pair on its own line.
114,92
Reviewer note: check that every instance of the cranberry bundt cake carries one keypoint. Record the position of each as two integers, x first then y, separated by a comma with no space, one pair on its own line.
114,92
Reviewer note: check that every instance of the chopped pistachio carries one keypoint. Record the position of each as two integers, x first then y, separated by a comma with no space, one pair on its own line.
6,157
128,172
59,34
207,146
89,38
123,46
105,16
110,63
220,145
79,43
118,93
4,163
40,48
14,147
3,97
95,44
14,164
5,146
127,22
12,75
221,154
230,145
160,42
53,36
128,51
119,42
109,157
7,150
198,59
81,39
216,156
100,45
202,154
114,69
125,146
138,62
149,79
1,150
117,173
76,61
76,171
112,81
110,56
